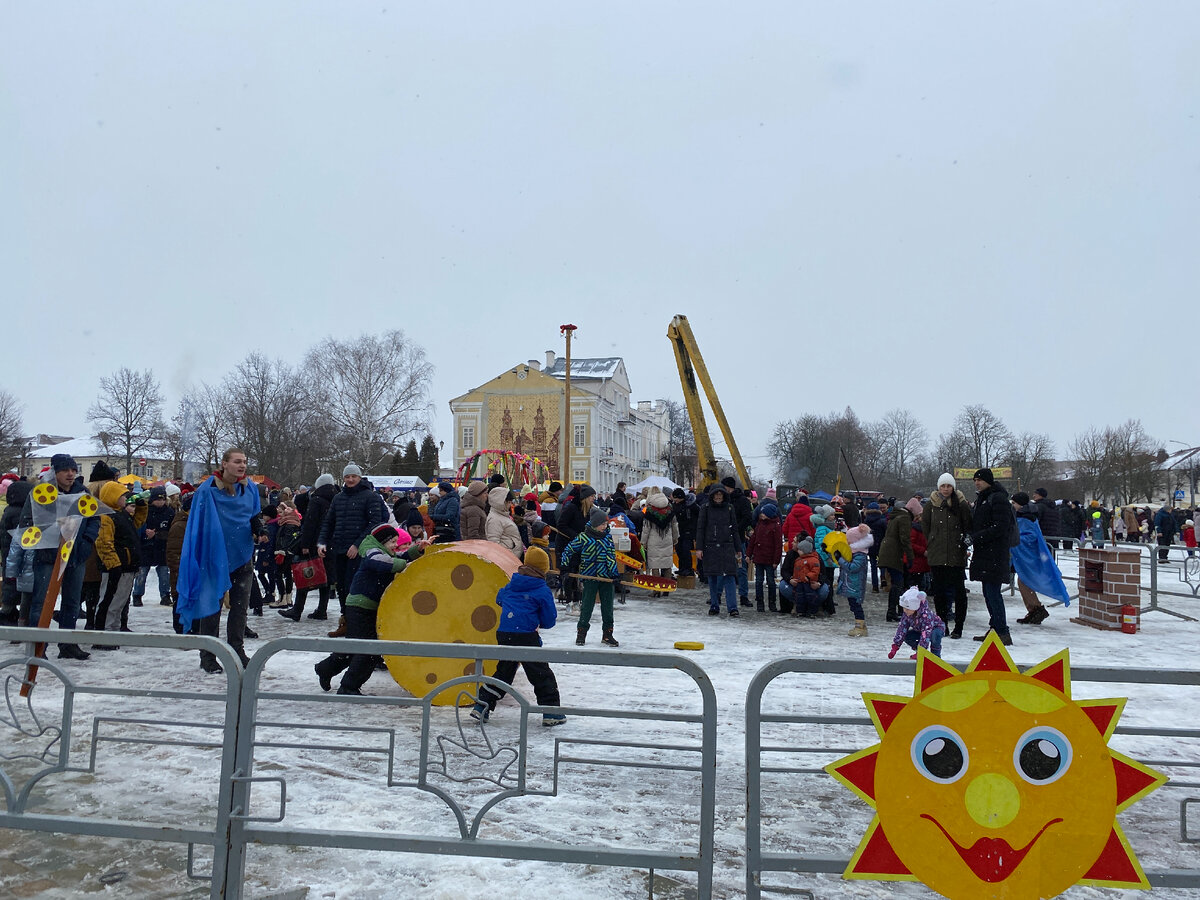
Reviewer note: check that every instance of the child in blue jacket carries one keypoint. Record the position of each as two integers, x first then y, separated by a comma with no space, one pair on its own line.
853,581
526,604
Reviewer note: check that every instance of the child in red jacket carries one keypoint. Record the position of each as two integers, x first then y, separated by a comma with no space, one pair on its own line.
765,549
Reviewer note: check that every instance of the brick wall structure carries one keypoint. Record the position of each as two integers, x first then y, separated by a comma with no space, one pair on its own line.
1122,585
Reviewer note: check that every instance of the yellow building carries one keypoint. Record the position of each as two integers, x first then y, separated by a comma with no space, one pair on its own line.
522,410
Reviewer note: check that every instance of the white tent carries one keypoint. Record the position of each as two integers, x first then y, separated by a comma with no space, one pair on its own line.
658,481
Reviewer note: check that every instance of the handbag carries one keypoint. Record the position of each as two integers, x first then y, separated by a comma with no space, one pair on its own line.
308,573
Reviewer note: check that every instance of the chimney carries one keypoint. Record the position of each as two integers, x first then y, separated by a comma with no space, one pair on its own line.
549,360
645,405
535,365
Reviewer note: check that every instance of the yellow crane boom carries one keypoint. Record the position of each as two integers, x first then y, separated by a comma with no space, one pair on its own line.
691,365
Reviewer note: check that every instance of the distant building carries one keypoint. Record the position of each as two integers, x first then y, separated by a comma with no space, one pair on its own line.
522,409
87,452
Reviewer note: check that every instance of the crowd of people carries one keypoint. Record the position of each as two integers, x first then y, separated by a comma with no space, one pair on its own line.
232,545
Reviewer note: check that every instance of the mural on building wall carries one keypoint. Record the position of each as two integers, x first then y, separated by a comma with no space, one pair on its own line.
523,424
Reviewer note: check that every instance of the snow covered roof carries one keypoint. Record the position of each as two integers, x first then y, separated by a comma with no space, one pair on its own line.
84,446
601,367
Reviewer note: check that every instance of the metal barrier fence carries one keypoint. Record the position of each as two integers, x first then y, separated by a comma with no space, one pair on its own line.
451,752
444,739
1175,750
1173,580
36,751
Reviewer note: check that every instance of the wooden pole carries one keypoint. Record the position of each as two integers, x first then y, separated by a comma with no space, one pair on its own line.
48,603
564,473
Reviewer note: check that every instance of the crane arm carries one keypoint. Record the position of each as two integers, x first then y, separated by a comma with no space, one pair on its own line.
691,365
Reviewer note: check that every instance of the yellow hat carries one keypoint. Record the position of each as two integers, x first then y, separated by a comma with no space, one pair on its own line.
536,559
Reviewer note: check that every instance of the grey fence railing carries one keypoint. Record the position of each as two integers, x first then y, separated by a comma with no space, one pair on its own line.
444,749
50,774
803,742
1173,582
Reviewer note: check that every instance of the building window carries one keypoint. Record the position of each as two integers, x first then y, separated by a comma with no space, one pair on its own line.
149,471
468,437
580,475
580,436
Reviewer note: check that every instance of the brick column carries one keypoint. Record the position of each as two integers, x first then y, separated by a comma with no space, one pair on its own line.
1122,585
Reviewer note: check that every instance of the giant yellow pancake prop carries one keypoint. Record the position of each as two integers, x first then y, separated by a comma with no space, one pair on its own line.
447,596
995,783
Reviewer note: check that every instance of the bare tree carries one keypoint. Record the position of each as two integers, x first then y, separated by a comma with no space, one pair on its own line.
10,429
1089,453
680,452
898,437
210,415
982,433
373,390
1031,455
1133,458
272,417
127,414
813,450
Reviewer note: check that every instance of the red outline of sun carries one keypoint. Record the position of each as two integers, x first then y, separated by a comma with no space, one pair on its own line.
876,859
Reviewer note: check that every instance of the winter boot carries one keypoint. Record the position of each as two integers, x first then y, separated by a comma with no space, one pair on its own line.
580,637
759,605
340,631
859,629
744,600
72,651
608,638
772,606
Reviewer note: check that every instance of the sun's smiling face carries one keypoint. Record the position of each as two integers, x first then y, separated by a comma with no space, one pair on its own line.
993,783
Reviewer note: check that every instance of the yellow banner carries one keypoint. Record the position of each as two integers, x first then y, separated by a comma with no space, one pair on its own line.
998,472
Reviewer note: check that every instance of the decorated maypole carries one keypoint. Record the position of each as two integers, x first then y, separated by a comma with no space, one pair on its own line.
57,518
567,430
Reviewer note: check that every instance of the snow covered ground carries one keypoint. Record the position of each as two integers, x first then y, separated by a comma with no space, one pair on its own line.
344,784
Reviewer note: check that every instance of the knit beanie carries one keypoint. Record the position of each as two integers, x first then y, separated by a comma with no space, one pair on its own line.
536,559
860,538
323,480
555,487
729,482
352,469
111,493
384,533
598,519
60,462
985,475
947,478
171,489
1020,498
102,471
912,598
805,546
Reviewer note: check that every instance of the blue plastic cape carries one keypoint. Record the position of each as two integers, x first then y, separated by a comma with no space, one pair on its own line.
218,540
1034,564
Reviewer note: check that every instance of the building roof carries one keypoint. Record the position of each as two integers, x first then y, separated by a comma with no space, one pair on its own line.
600,367
84,446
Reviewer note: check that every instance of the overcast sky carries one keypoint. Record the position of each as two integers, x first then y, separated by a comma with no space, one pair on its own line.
875,204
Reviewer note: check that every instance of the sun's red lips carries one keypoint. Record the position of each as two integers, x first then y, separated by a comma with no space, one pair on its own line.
991,859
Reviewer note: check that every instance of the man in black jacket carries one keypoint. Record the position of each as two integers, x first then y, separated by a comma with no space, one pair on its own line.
743,509
1049,518
991,527
352,515
685,515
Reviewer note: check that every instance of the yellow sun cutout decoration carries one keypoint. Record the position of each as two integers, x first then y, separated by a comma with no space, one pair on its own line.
993,783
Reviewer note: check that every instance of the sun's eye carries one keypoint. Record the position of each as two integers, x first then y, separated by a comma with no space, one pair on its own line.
939,754
1042,755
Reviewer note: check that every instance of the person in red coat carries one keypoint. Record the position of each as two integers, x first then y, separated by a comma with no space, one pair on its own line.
798,521
765,549
919,570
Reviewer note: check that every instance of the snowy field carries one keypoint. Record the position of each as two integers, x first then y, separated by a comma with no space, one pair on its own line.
344,783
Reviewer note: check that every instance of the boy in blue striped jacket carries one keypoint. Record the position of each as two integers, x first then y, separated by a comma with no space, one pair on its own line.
597,558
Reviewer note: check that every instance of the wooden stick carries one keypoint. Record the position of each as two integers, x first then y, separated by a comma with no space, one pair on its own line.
48,603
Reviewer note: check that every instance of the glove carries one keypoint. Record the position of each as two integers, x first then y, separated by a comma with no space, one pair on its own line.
893,651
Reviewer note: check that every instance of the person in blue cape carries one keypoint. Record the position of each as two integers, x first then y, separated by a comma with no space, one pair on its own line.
217,556
1036,570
